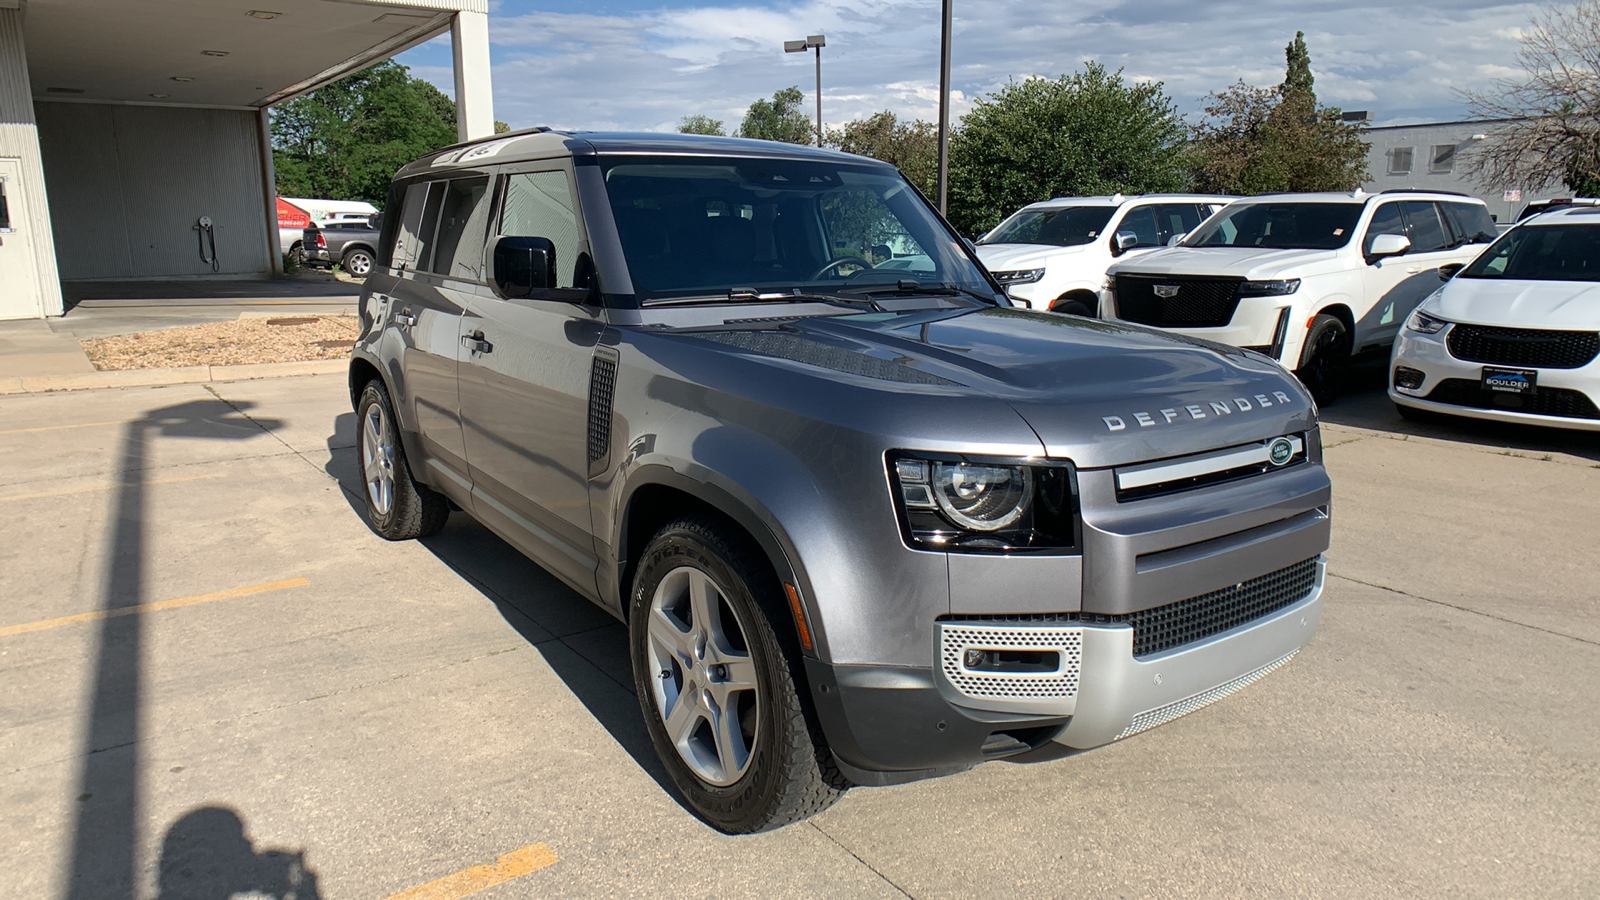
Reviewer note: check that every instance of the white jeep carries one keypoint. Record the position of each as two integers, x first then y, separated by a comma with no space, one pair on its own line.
1054,255
1307,279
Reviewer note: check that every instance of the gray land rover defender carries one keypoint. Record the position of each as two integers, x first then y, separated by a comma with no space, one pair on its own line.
865,522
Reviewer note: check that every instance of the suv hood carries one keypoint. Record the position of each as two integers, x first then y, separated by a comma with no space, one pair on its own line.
1098,393
1519,304
1009,257
1251,263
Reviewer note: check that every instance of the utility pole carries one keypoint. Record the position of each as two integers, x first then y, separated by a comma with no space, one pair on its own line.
944,111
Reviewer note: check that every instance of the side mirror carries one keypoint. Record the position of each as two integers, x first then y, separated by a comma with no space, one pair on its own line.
523,265
1388,245
1448,272
1177,239
1124,241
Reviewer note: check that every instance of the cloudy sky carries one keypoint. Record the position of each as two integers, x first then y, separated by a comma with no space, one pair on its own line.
643,64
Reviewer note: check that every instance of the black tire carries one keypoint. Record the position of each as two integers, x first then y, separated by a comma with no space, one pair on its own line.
1073,306
406,510
357,262
787,773
1325,357
298,253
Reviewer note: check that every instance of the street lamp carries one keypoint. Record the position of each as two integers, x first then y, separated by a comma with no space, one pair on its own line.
812,42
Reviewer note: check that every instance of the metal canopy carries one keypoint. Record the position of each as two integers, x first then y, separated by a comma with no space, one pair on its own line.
167,51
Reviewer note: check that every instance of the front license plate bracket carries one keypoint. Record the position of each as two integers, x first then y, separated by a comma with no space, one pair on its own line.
1510,381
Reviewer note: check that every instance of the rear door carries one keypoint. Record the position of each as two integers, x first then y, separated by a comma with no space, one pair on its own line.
525,385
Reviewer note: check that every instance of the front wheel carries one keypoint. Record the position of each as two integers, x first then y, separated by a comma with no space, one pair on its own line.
718,692
1326,354
398,508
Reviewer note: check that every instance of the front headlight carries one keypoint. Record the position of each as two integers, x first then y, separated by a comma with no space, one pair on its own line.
1018,276
973,505
1421,321
1276,288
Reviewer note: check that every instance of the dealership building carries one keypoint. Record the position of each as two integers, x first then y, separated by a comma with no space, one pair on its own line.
134,140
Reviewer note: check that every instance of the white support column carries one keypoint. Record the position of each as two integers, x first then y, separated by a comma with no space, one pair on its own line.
269,190
469,39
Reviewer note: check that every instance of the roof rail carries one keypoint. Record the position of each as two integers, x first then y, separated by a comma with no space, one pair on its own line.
1422,191
521,132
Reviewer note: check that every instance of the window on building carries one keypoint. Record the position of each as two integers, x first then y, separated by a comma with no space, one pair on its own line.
1400,161
1444,159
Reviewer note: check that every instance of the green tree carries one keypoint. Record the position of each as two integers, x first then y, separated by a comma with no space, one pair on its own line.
778,119
912,147
501,127
1090,133
346,140
1254,140
698,124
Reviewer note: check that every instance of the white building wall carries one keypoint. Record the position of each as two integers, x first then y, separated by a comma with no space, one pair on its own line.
1387,157
19,139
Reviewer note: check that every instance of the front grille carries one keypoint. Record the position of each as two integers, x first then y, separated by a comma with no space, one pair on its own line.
1199,303
1533,347
1544,401
1175,624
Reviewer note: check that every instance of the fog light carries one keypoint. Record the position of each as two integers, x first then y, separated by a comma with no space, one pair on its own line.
1407,378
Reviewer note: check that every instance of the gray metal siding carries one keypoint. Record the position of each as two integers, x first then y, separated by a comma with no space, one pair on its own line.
19,138
128,184
1422,139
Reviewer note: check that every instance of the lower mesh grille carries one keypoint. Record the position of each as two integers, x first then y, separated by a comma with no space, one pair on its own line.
1162,715
1175,624
1544,401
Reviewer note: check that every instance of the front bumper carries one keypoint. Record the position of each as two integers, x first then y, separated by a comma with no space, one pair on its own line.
1255,324
1430,355
898,724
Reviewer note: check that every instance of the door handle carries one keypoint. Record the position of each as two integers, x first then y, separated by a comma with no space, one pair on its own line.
1417,270
405,318
476,343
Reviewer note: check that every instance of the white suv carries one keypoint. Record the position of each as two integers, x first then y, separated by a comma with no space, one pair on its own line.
1307,279
1053,255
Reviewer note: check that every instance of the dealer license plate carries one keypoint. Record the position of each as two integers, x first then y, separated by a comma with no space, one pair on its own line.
1510,381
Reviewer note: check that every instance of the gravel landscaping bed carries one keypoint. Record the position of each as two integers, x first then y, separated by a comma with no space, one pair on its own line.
249,340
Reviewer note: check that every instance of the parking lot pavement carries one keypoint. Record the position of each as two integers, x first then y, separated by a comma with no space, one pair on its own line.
217,680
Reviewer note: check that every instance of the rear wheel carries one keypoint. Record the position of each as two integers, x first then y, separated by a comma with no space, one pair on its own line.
357,262
719,693
1325,357
398,508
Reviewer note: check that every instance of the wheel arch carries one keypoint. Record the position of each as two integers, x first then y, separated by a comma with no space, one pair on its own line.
1088,297
353,246
657,495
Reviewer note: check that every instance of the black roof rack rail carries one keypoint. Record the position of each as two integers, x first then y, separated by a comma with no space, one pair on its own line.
1422,191
521,132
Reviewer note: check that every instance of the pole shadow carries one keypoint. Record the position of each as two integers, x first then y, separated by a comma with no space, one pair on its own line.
107,815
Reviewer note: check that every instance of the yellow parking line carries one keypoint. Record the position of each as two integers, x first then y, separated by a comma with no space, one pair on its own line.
108,487
60,427
467,882
228,594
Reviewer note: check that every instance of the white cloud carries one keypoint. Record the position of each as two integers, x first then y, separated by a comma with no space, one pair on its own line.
644,70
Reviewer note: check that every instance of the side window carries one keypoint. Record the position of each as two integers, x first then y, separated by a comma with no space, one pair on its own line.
1385,220
463,218
1471,222
539,204
421,219
1179,218
1424,227
1142,222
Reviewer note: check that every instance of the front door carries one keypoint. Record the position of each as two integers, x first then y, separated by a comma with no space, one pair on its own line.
525,392
1399,284
19,275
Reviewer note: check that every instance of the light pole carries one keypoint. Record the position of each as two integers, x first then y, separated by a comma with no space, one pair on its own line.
944,110
812,42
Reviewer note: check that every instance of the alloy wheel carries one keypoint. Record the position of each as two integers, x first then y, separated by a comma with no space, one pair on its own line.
377,458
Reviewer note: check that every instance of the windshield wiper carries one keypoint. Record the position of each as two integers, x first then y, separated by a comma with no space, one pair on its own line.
751,295
908,286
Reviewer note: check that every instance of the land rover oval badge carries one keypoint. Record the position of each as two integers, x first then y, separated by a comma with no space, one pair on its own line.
1280,451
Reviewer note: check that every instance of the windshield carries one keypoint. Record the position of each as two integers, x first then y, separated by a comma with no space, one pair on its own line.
1280,226
1542,253
702,227
1067,227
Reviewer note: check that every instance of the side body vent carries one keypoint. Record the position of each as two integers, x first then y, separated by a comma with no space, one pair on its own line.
602,391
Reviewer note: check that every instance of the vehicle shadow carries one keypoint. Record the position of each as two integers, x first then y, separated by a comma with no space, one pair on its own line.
1365,404
206,855
576,638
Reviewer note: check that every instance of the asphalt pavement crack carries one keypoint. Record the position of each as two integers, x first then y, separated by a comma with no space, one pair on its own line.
853,855
1465,609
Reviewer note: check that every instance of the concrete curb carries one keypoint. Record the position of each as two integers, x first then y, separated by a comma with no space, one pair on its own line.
38,384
